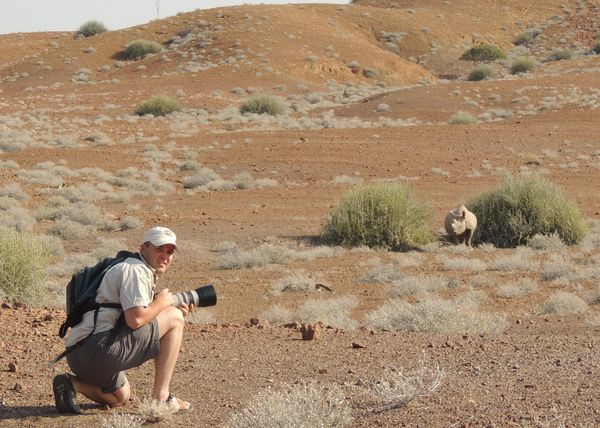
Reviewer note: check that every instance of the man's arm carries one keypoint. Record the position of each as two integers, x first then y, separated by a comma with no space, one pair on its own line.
139,316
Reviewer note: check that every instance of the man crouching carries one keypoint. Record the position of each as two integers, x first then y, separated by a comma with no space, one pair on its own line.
146,327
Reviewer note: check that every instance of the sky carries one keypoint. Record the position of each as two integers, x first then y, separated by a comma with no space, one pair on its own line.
68,15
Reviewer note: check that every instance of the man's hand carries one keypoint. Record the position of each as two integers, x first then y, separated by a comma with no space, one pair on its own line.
186,309
163,298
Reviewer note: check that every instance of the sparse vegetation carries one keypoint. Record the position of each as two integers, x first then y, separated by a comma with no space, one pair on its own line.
596,48
482,72
91,28
523,65
483,52
297,405
379,215
23,261
140,48
563,302
462,118
527,36
524,207
435,315
262,104
559,55
159,105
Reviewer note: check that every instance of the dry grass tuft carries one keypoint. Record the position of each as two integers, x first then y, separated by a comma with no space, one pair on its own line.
298,405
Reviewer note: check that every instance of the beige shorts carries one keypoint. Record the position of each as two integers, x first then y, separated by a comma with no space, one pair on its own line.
102,359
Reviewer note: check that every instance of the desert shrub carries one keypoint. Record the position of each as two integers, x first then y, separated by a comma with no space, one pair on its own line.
521,260
140,48
379,215
562,302
462,263
596,48
121,420
277,314
559,55
435,315
262,104
546,242
397,388
556,268
522,208
482,72
333,312
267,254
517,289
483,52
297,282
91,28
462,118
416,285
159,105
297,405
23,261
523,65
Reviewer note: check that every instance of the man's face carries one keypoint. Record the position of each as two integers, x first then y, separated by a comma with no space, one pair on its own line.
158,257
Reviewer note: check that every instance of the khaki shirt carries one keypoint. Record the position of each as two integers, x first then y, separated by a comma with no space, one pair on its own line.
130,283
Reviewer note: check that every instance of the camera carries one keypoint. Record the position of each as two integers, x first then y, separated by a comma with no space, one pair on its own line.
199,297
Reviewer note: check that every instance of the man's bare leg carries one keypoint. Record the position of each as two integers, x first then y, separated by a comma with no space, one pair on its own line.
170,327
94,393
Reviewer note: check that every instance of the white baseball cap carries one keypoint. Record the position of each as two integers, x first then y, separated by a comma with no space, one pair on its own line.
160,236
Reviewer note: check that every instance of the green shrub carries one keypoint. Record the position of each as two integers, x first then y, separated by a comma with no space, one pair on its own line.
559,55
262,104
482,72
483,52
523,65
462,118
522,208
91,28
527,36
140,48
23,261
159,105
379,215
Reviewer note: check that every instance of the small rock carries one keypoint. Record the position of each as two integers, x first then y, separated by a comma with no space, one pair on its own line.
48,317
357,345
322,371
311,332
18,387
12,367
6,306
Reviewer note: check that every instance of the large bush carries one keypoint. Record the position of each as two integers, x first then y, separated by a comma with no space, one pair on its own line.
522,208
483,52
523,65
379,215
482,72
262,104
91,28
140,48
159,105
23,261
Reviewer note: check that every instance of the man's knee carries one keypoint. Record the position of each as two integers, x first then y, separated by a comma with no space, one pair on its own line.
175,315
121,395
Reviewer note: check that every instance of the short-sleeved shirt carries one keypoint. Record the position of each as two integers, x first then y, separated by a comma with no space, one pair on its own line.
131,283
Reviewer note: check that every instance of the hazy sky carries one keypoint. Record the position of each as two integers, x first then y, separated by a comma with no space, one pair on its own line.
67,15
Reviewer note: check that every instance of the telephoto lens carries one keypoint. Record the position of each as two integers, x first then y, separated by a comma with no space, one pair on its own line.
199,297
